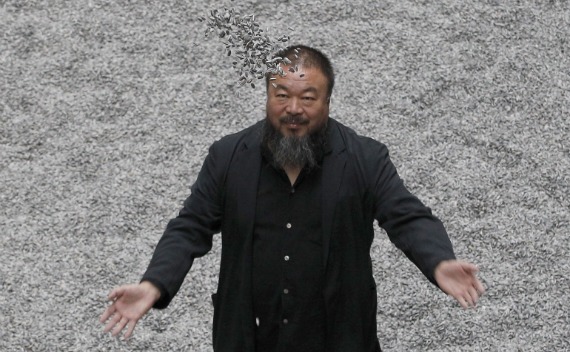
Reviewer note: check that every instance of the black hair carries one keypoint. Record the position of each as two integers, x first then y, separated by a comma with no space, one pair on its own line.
309,58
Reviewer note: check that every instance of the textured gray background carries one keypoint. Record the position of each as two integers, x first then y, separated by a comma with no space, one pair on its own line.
107,109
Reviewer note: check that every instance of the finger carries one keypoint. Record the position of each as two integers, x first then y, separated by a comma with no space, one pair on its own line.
107,313
473,270
474,295
470,268
479,286
462,301
131,328
120,326
114,320
470,302
466,299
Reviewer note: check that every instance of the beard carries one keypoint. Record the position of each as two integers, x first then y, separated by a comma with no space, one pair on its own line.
294,151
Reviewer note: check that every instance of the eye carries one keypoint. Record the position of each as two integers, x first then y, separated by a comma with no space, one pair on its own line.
308,100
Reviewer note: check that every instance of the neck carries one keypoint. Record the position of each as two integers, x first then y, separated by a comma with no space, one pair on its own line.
292,173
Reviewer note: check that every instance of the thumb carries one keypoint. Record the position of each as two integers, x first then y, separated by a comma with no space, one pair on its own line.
116,293
472,268
468,267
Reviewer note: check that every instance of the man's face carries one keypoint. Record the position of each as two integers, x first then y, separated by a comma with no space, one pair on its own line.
297,104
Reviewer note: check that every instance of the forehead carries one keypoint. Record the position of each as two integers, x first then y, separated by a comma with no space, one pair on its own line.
302,78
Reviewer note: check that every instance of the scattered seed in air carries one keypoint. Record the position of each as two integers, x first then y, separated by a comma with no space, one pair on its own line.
251,47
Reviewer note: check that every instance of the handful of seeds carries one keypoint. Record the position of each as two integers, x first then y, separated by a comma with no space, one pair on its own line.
251,47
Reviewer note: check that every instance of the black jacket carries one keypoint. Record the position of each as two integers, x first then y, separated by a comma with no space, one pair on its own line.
360,185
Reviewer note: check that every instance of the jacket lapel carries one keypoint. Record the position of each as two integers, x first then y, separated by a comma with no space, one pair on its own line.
333,171
246,169
247,166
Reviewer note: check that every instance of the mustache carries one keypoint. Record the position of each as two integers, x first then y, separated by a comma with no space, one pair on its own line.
294,119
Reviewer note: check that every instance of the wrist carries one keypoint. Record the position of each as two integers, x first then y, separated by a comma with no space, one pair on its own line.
151,289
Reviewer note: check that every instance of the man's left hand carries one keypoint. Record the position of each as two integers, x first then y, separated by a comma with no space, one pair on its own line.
458,279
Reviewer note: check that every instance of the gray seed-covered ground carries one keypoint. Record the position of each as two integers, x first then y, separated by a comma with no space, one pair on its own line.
107,108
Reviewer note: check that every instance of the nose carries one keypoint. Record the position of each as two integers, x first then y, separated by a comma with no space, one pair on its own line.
294,106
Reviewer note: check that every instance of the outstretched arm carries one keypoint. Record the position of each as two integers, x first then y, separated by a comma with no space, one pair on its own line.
410,224
458,279
130,303
413,228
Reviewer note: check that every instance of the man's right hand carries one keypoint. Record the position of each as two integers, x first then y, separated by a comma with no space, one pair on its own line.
130,303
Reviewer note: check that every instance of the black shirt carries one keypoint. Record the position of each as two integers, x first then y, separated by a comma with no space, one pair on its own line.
287,262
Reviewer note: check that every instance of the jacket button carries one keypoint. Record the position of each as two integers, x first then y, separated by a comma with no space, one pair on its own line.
286,258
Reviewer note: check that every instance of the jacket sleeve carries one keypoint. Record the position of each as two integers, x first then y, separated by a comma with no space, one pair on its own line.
189,235
410,225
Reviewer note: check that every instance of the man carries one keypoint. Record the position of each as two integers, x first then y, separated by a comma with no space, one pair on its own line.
295,197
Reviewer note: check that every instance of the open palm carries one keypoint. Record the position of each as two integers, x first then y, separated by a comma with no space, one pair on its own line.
458,279
130,303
